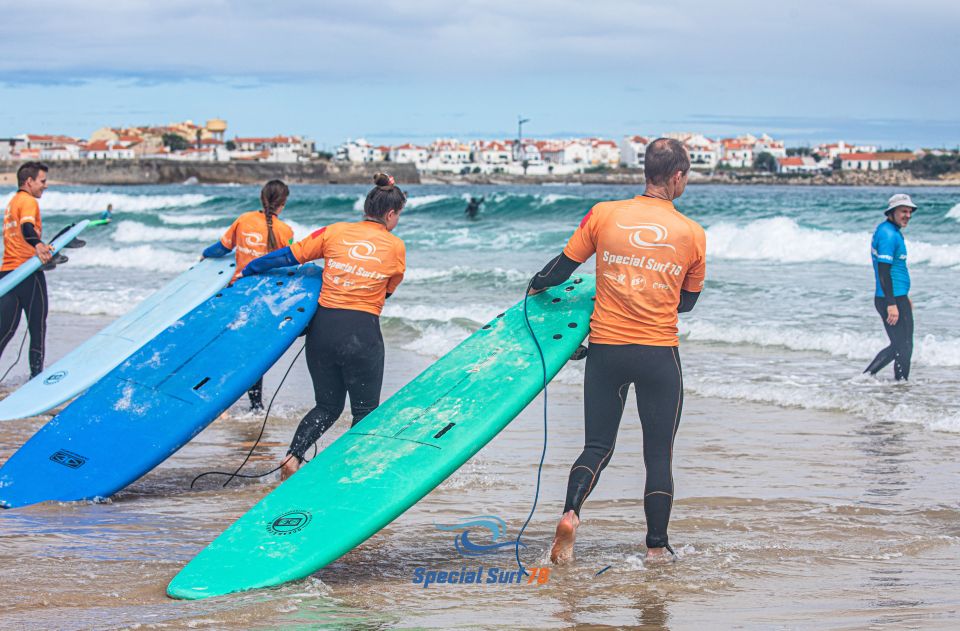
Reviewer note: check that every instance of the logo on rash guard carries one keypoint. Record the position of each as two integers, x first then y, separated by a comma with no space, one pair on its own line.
646,230
362,251
253,239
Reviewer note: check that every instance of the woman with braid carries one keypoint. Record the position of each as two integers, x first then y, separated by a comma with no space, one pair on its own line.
363,265
254,234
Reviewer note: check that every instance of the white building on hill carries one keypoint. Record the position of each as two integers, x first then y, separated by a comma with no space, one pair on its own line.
633,150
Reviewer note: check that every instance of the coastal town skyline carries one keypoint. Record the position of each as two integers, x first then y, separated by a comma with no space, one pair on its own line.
207,142
394,73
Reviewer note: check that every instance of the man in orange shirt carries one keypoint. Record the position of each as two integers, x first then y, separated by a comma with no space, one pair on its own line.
22,228
650,267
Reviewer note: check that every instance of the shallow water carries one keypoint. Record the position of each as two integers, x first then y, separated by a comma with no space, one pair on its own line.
807,497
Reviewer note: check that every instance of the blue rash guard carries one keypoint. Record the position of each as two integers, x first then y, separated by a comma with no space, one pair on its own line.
889,247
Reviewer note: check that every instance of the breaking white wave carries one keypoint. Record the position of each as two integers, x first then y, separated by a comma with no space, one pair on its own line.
954,213
420,274
783,240
84,300
929,350
142,257
122,202
189,220
853,397
410,313
553,198
135,232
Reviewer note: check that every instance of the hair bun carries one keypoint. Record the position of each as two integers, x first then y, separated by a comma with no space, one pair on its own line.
384,181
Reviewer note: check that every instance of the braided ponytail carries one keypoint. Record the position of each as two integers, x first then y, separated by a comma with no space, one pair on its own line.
273,196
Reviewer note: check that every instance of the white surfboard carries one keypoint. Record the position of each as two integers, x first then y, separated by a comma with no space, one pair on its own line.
90,361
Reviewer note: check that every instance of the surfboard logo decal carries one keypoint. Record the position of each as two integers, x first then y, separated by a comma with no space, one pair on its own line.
56,377
68,459
290,522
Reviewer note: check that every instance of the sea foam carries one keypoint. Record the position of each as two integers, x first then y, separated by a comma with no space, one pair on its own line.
783,240
122,202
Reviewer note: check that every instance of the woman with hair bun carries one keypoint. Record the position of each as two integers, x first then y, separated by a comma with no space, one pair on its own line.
254,234
364,264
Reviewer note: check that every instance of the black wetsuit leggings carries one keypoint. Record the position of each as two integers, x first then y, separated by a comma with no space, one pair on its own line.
900,350
30,296
658,380
344,355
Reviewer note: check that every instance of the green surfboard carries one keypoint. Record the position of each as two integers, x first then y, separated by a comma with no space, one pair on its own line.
397,454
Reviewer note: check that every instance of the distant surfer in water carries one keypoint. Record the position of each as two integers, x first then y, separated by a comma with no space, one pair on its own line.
364,265
650,267
22,228
252,235
473,207
891,298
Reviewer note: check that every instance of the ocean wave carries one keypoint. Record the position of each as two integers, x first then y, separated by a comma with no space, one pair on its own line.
87,301
852,397
494,276
135,232
954,213
190,220
122,202
476,313
928,350
783,240
412,202
435,341
142,257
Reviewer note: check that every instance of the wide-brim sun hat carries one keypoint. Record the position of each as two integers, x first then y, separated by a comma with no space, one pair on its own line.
900,199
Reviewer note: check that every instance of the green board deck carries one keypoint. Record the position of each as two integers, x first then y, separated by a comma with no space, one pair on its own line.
397,454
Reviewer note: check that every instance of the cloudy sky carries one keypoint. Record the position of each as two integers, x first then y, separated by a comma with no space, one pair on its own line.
877,71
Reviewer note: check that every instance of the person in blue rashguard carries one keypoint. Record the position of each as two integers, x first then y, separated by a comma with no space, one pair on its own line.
892,299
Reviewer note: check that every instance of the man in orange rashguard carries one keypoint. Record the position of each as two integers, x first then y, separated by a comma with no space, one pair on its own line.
650,267
21,241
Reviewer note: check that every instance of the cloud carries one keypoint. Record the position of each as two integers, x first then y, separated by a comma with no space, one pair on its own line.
298,40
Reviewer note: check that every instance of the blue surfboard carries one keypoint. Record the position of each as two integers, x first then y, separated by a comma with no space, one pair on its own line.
164,394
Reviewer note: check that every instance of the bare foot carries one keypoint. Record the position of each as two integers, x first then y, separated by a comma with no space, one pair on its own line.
289,467
658,555
562,551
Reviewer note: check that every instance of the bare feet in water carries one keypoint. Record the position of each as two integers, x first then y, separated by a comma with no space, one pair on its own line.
658,555
289,467
562,550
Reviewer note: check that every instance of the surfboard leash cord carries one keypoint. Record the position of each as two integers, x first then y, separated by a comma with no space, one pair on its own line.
263,427
543,453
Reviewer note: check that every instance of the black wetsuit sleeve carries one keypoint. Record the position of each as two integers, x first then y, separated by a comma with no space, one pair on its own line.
687,300
554,272
30,234
886,282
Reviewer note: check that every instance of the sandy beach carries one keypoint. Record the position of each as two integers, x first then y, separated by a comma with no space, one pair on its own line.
785,518
807,497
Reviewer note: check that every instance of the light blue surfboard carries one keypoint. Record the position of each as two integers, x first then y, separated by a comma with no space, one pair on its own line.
163,395
90,361
28,267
